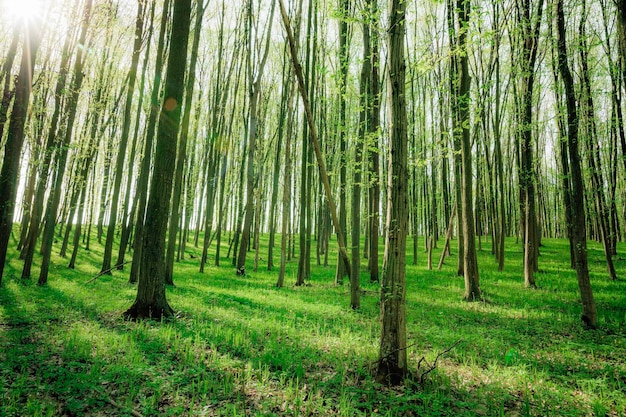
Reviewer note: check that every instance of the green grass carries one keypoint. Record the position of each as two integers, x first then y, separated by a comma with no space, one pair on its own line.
240,346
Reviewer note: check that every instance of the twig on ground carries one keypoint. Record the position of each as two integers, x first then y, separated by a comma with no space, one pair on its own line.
434,365
106,272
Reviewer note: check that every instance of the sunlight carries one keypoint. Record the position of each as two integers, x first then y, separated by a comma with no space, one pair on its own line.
22,9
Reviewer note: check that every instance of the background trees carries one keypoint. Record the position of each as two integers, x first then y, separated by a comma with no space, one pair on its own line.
491,116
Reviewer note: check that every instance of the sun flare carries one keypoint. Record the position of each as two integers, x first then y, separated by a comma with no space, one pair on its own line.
22,9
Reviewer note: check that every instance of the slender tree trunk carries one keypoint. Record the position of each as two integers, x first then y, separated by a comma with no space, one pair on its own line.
121,154
373,144
28,249
530,40
462,94
129,211
276,176
255,91
5,76
182,147
15,138
593,152
55,192
589,315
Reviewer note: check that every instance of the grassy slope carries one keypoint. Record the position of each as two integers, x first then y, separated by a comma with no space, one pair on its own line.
242,347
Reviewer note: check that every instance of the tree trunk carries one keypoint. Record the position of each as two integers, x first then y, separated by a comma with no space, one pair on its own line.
344,48
144,173
593,152
392,357
15,139
121,154
255,91
530,40
313,136
151,300
589,315
373,144
72,107
182,147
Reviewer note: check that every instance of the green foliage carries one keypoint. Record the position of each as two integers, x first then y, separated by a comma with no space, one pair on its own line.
240,346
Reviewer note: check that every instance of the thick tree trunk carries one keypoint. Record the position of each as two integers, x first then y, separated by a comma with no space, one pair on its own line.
392,357
144,172
151,301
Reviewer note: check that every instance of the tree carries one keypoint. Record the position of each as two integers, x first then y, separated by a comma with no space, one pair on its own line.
151,301
589,315
255,75
144,171
344,61
461,126
343,253
121,155
373,144
529,49
392,357
72,109
15,137
182,147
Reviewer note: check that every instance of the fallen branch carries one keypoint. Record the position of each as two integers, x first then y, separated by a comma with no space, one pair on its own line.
434,365
389,354
297,67
106,272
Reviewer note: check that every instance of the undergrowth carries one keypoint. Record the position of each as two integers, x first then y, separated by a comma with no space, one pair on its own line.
239,346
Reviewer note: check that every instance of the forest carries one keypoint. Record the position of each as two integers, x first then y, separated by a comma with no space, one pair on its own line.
312,207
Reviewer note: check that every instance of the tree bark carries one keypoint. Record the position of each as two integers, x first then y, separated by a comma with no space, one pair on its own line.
121,154
392,357
530,41
151,301
373,144
589,315
144,172
15,138
181,158
72,106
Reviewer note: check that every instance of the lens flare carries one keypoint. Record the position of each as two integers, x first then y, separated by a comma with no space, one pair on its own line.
21,9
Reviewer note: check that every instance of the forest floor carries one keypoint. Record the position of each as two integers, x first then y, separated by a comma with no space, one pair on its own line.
239,346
